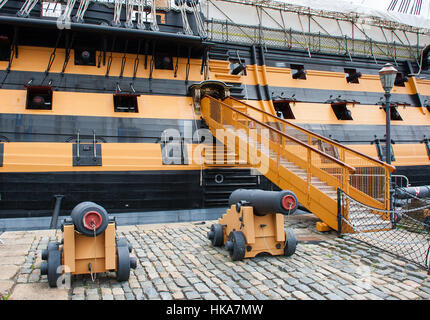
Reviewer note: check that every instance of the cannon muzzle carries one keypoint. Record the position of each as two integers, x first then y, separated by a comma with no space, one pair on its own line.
266,202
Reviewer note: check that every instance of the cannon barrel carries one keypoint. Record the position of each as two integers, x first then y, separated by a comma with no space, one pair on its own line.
410,192
266,202
89,218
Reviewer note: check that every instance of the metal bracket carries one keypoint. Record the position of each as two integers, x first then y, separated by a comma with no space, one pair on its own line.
124,59
69,45
188,65
102,53
109,63
1,154
87,154
136,60
52,56
380,148
175,74
427,144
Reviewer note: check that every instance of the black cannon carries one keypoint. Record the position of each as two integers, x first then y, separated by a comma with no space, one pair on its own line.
254,224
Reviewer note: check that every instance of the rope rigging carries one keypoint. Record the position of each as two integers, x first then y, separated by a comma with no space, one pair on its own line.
129,6
83,6
141,14
154,25
186,26
26,8
2,3
117,13
65,16
195,5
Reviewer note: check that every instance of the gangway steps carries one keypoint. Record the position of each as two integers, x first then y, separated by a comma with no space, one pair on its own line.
313,174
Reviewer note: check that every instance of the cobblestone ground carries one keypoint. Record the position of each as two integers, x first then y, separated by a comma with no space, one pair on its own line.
177,261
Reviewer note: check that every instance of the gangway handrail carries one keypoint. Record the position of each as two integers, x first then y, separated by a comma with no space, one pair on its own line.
321,153
391,168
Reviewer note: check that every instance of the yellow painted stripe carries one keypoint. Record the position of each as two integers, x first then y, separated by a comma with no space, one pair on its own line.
100,104
36,59
362,114
53,157
405,154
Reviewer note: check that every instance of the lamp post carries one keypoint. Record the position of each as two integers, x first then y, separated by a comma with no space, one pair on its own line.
387,75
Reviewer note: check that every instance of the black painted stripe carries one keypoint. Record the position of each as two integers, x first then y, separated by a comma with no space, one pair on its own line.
322,95
364,134
32,194
64,128
101,84
94,83
417,175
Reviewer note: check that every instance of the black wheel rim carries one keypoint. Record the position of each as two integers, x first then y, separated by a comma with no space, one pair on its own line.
123,269
54,261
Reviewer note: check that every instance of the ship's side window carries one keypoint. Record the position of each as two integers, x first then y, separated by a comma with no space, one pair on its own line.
352,75
85,57
163,61
4,48
237,67
341,111
400,80
298,71
39,98
125,103
283,110
394,113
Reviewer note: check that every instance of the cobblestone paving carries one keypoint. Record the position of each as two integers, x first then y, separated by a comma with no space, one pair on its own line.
177,261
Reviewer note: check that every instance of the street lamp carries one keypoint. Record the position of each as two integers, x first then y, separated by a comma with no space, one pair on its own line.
387,75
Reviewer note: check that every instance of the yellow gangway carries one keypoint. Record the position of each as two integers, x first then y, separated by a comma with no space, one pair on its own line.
296,159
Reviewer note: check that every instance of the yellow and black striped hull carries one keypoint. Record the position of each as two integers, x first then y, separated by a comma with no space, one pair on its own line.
37,159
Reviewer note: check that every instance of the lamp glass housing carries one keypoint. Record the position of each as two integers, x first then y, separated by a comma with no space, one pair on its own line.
387,76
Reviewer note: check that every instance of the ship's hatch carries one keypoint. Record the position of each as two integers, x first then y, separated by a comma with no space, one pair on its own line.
283,109
39,97
394,113
341,111
163,61
125,102
4,48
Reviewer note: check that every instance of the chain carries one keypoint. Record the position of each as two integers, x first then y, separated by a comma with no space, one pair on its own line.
93,275
386,211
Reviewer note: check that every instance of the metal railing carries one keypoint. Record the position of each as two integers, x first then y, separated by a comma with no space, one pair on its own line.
370,180
226,31
321,172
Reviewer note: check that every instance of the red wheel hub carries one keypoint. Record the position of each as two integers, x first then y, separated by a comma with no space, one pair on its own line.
92,219
289,202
